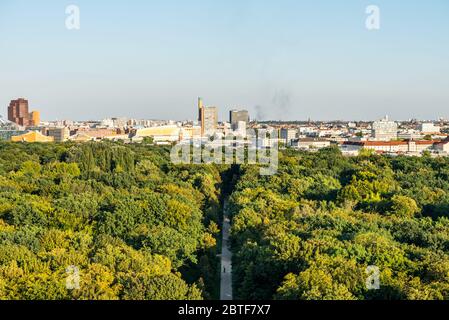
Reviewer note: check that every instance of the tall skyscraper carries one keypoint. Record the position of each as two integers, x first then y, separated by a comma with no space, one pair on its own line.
236,116
200,110
19,114
208,118
210,122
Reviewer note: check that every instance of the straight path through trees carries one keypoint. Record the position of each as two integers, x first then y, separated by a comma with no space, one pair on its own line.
226,258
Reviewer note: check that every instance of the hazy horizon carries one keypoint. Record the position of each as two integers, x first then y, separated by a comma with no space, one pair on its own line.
284,60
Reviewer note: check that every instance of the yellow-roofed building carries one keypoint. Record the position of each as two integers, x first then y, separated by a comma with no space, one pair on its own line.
159,131
169,133
32,136
160,134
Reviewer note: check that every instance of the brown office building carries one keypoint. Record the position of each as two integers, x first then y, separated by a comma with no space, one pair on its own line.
19,114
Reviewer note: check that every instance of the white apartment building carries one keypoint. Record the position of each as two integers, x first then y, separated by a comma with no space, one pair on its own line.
384,130
429,128
310,144
410,135
413,147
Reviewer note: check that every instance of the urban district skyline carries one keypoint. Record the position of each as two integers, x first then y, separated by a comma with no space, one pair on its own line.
224,119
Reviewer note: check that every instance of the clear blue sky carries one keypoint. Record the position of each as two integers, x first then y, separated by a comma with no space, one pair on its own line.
284,59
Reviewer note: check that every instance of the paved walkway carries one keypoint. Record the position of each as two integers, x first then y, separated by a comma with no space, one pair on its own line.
226,260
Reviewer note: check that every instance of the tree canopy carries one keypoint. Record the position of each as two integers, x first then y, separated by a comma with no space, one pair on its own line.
311,231
133,225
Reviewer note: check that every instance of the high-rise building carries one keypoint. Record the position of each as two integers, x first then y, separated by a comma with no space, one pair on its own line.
19,114
200,110
208,118
35,118
236,116
210,122
385,130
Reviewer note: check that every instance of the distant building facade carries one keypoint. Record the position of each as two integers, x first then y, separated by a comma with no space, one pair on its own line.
19,114
236,116
35,117
410,135
32,136
240,128
398,147
310,143
6,135
210,122
59,134
98,134
385,130
167,134
443,146
429,128
287,135
9,129
208,118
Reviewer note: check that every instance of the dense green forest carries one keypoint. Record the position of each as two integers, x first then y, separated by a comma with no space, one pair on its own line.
137,227
311,231
133,225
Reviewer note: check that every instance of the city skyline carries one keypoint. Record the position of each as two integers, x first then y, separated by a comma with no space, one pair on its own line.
294,61
229,112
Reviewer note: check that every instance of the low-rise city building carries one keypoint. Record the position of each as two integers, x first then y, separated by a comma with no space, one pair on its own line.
443,147
310,144
384,130
288,135
398,147
429,128
32,136
59,134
